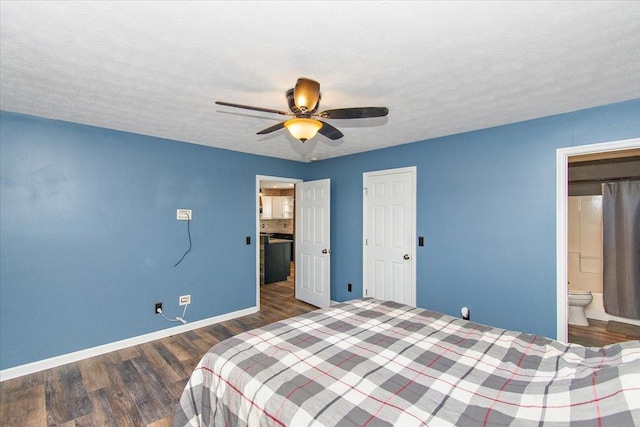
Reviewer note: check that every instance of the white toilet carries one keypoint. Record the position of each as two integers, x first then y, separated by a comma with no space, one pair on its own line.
577,301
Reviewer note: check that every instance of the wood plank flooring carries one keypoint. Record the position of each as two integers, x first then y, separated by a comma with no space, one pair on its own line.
136,386
600,333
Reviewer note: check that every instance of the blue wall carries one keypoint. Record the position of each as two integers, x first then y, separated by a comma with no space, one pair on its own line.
89,235
486,205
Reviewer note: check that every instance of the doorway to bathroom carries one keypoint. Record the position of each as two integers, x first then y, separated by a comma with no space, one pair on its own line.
580,173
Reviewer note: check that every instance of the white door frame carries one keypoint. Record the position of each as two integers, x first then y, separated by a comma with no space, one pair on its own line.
414,173
562,194
260,178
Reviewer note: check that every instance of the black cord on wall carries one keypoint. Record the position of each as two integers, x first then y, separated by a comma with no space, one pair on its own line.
188,250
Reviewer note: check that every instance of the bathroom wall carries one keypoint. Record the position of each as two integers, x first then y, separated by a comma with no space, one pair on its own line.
585,243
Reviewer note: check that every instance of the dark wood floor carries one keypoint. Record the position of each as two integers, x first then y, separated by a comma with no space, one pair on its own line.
137,386
600,333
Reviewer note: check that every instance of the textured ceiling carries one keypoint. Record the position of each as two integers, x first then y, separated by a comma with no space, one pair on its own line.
156,68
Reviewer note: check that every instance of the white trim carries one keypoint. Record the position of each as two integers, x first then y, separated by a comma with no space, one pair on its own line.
257,236
413,170
41,365
364,233
562,192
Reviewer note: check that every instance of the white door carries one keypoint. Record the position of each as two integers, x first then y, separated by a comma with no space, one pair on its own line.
389,245
313,249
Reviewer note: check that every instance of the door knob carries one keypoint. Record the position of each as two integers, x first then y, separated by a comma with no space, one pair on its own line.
326,251
406,256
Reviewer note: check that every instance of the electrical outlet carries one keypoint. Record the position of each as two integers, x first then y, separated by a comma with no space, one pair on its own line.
184,300
183,215
348,287
158,308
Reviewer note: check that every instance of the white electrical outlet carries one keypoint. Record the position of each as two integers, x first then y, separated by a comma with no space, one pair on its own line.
184,215
184,300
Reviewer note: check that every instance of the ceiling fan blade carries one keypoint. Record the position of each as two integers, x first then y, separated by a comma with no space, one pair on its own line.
354,113
271,129
330,132
249,107
306,94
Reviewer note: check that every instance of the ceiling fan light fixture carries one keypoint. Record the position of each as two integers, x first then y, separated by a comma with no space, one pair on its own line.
302,128
304,102
306,94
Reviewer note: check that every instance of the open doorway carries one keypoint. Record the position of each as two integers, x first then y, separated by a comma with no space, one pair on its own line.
612,149
275,233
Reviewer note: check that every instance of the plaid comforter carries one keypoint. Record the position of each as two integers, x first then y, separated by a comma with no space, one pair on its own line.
375,363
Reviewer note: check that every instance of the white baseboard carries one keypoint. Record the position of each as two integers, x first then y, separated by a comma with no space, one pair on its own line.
41,365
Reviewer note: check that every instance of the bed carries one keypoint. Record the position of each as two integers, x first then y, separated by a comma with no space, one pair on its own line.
379,363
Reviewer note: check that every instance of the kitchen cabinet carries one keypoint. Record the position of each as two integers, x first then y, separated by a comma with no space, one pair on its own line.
277,258
267,207
277,207
287,206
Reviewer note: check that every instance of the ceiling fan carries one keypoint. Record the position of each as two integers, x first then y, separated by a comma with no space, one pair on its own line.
304,101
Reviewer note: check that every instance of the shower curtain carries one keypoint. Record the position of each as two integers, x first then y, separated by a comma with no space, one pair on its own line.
621,252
